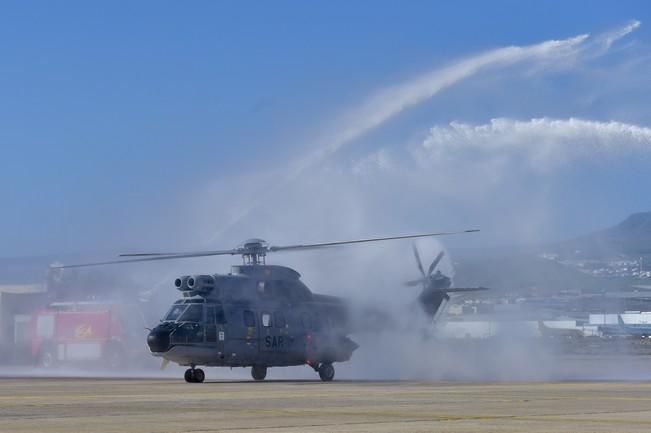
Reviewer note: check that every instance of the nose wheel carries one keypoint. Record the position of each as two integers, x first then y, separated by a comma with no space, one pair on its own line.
194,375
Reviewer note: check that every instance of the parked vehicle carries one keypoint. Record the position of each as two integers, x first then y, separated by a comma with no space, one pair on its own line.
108,334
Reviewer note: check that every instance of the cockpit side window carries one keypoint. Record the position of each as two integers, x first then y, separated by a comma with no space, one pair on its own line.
249,318
175,312
194,313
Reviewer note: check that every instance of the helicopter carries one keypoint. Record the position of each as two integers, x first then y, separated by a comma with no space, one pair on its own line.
257,316
435,286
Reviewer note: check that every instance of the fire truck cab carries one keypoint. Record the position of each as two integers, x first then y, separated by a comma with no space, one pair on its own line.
108,334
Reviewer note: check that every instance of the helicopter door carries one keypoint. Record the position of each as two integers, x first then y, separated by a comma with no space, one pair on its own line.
214,327
241,340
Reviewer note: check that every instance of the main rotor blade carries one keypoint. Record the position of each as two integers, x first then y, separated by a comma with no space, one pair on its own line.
185,254
418,262
418,282
146,254
435,263
359,241
147,257
150,258
464,289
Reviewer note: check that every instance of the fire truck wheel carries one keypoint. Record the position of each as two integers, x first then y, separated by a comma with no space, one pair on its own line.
258,372
47,358
326,372
189,375
199,375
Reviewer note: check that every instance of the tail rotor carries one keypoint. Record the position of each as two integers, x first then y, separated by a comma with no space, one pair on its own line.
435,286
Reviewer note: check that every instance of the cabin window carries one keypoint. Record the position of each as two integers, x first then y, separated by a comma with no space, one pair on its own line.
249,318
266,320
279,320
261,287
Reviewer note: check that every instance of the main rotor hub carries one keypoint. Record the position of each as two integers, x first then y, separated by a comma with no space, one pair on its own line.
254,251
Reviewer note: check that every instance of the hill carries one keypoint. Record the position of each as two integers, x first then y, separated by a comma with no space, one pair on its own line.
629,239
525,271
562,266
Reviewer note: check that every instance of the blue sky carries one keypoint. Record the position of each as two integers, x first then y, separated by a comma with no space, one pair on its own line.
119,121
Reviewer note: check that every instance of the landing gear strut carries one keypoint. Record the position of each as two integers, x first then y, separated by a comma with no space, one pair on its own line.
194,375
258,372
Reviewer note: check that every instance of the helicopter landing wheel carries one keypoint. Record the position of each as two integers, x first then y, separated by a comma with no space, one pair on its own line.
326,372
194,375
258,372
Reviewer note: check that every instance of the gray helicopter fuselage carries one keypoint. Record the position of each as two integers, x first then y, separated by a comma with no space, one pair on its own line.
262,316
256,315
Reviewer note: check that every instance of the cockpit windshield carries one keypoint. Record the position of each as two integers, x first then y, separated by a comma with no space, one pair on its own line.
194,313
175,312
185,313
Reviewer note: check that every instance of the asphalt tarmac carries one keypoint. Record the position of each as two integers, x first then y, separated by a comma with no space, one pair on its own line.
171,405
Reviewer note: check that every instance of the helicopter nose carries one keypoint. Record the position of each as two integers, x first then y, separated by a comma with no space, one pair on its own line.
158,340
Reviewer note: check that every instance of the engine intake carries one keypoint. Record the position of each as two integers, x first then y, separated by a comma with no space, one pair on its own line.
181,283
201,283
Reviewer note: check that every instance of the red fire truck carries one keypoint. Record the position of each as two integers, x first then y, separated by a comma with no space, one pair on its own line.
106,334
